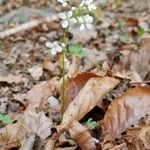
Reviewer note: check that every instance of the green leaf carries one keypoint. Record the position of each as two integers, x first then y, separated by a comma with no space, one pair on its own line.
91,124
76,49
124,38
139,31
5,119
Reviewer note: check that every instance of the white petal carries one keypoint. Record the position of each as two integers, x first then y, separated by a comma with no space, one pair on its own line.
62,16
49,44
55,44
64,4
91,7
82,27
53,51
81,20
88,2
88,18
69,14
65,24
59,49
73,20
73,8
89,26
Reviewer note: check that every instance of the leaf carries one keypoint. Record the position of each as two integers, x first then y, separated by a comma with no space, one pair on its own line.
82,136
88,97
76,49
74,85
91,124
139,31
31,123
125,111
138,138
6,119
12,135
13,79
37,123
124,38
39,94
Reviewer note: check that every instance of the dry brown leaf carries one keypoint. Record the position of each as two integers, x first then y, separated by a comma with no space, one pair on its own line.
13,79
82,136
140,60
87,98
37,123
50,66
12,135
39,94
74,85
36,72
132,21
125,111
138,138
31,123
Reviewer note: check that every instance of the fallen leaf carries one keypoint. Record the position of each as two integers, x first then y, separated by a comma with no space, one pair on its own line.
12,135
87,98
138,138
140,60
132,21
39,94
13,79
125,111
74,85
82,136
53,67
37,123
36,72
31,123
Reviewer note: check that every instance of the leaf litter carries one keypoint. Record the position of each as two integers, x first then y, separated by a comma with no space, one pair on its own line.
30,82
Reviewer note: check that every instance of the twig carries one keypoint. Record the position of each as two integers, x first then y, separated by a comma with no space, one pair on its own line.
142,82
26,26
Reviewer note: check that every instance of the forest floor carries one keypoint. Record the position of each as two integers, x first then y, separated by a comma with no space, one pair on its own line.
107,99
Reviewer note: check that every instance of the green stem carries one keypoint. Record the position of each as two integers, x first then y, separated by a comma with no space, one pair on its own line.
63,77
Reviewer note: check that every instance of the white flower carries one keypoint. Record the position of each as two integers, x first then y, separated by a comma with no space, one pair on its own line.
63,2
67,18
89,4
55,47
86,22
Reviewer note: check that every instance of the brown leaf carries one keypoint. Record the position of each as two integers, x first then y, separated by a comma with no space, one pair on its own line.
131,21
37,123
13,79
82,136
11,135
31,123
74,85
125,111
39,94
140,60
87,98
138,138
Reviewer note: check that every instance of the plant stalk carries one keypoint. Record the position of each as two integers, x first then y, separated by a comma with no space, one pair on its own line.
63,76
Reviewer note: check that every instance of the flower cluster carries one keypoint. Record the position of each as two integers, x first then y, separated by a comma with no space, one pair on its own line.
77,15
54,47
74,16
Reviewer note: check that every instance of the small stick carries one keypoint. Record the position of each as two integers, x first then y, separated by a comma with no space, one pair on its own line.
25,26
142,82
